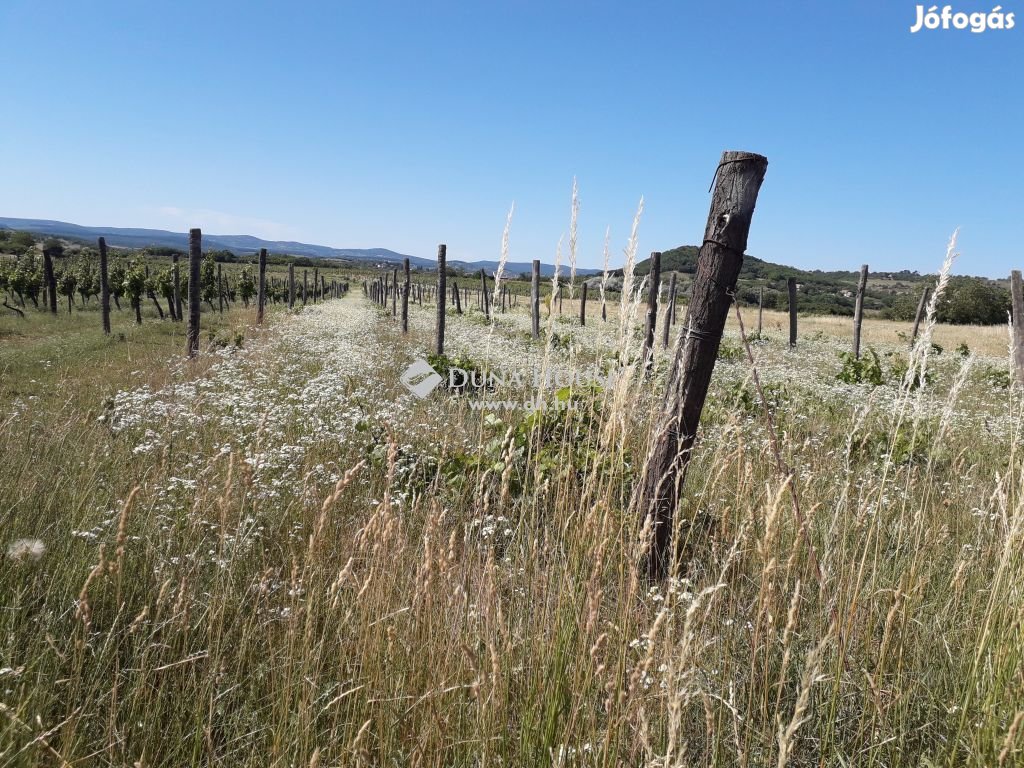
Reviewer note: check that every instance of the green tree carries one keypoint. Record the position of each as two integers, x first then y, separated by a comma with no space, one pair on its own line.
971,301
208,280
246,286
135,286
115,279
67,281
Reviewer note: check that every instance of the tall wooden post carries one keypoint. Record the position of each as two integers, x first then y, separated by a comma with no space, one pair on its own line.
583,304
738,180
921,304
791,285
394,293
858,310
405,296
291,285
261,291
316,283
535,299
670,308
483,295
220,287
458,297
652,311
195,258
104,286
178,306
51,281
442,292
305,286
1017,317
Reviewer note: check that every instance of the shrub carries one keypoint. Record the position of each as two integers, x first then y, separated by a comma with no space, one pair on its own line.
866,370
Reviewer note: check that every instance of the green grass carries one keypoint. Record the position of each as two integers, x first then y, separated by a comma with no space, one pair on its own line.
318,569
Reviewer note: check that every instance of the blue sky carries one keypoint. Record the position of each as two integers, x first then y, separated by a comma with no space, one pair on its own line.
403,125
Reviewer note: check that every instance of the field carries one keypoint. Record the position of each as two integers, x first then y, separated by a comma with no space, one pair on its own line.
275,554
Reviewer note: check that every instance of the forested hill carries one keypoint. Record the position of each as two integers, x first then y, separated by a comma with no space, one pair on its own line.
889,294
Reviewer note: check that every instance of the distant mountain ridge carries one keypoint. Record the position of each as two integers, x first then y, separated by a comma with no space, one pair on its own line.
122,237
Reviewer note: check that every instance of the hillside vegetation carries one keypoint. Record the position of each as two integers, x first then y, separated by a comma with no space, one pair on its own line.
891,295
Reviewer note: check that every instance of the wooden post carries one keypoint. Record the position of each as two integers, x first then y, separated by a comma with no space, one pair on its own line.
535,299
669,310
921,304
51,281
737,182
405,297
458,297
178,306
195,258
442,289
652,311
760,310
858,310
261,290
1017,317
220,287
316,283
583,304
291,285
484,297
104,287
394,293
791,285
305,286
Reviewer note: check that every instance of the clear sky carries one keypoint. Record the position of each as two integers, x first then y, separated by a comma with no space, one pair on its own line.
402,125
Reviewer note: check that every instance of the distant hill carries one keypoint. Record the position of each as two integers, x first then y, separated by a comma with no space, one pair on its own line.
820,292
120,237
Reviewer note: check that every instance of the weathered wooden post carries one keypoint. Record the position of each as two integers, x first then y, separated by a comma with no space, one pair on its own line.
484,297
858,310
921,304
291,285
220,287
178,307
535,299
261,290
195,259
442,289
104,287
1017,316
670,308
305,286
738,180
652,311
316,283
791,285
760,310
457,294
583,304
405,296
51,280
394,294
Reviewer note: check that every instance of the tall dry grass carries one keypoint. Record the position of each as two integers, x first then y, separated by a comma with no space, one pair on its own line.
445,586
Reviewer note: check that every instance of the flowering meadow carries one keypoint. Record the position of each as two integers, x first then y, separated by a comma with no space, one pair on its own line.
277,555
